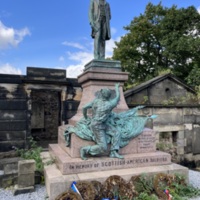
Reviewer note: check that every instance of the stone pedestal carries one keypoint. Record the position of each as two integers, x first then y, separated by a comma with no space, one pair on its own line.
57,183
140,155
100,74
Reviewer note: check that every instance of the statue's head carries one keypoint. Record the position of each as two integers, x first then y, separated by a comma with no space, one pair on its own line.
105,93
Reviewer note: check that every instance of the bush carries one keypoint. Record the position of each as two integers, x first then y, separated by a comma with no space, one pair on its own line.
32,153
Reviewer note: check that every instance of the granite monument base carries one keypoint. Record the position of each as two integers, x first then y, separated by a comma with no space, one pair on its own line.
57,183
140,156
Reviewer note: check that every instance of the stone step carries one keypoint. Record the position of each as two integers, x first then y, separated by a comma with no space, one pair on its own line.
69,165
9,171
9,161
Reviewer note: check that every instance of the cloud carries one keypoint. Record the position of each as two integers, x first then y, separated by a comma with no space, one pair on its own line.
113,30
81,58
110,45
74,70
198,9
10,36
61,59
73,44
8,69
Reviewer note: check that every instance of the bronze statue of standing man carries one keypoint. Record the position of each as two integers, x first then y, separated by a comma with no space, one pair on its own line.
99,16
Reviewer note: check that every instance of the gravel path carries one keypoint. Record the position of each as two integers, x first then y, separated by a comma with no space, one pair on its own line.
194,180
38,194
40,191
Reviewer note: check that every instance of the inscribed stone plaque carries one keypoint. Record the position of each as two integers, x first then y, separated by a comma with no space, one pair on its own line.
146,142
72,166
69,165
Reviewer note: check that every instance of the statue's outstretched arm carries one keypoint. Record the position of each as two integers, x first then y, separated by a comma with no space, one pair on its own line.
115,101
130,113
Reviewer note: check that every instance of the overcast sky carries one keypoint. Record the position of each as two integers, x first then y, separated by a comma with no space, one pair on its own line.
56,33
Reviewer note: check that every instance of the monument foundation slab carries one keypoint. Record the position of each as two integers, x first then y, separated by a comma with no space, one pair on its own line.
57,183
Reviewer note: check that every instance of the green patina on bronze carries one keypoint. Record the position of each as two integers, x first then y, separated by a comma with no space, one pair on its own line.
99,17
107,127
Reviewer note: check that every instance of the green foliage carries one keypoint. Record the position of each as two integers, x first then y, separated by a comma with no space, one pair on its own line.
162,39
193,78
145,99
32,153
163,146
181,100
144,184
49,162
181,192
176,185
178,188
146,196
186,191
197,88
180,178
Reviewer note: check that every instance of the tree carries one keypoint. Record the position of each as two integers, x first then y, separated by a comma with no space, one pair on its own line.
158,40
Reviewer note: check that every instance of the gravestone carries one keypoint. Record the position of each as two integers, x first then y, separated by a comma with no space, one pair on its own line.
26,177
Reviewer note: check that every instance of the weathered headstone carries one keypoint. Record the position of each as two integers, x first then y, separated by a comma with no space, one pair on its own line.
26,177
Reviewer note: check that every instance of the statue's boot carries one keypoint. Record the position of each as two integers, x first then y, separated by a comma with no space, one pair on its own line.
84,151
114,154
